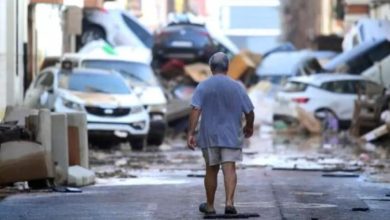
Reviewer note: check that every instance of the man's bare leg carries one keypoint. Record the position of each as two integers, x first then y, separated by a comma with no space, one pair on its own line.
230,179
210,184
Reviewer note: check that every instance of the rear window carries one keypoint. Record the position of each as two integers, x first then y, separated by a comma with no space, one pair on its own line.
295,87
198,36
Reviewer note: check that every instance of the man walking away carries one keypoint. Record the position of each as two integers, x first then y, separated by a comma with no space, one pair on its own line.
221,102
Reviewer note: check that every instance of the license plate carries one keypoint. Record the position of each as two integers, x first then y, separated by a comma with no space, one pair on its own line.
181,55
181,44
157,117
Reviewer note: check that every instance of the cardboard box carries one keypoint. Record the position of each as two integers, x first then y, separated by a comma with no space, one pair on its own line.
198,71
240,65
254,57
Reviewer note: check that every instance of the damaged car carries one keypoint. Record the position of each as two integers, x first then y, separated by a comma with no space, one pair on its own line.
111,107
141,78
333,94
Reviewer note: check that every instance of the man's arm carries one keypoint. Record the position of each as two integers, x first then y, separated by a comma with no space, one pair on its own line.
248,129
194,118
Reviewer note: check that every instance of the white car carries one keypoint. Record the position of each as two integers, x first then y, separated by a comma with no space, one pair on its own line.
140,76
333,93
110,105
117,27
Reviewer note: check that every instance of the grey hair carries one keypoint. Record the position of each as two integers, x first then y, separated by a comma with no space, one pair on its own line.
219,62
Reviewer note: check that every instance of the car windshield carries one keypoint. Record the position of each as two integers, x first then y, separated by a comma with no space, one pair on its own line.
130,70
95,83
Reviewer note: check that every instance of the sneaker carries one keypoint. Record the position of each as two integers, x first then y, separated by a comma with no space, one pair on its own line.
230,210
203,209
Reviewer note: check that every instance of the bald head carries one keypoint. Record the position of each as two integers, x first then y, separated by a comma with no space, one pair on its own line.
219,63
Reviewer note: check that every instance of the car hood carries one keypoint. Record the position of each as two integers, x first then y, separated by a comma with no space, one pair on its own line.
102,99
150,95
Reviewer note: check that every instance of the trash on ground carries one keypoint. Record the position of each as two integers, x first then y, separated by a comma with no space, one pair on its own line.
376,133
65,189
232,216
80,176
340,174
22,155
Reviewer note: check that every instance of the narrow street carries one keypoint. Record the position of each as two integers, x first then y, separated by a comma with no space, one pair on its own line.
280,178
105,104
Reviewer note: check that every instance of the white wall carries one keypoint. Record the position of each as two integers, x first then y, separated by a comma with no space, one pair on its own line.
13,19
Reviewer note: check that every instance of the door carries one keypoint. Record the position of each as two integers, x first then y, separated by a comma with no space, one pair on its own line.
341,97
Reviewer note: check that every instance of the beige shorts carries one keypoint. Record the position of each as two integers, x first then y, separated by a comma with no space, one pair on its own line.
218,155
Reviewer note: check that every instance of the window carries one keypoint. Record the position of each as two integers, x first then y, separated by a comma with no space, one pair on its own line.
341,87
370,88
45,79
295,87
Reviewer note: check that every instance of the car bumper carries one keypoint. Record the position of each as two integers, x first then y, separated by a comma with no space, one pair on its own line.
119,129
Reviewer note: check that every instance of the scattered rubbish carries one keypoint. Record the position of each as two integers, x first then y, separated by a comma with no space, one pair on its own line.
362,209
308,120
10,131
22,155
79,176
308,193
198,71
121,162
241,65
22,186
65,189
250,153
196,175
232,216
340,174
376,198
376,133
364,157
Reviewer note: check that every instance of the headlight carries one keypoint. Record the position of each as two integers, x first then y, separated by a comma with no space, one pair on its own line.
72,105
158,108
138,125
137,109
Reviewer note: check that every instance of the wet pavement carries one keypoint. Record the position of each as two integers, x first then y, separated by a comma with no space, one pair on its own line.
281,177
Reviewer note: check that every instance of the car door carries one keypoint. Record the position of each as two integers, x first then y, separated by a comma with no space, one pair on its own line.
341,98
41,91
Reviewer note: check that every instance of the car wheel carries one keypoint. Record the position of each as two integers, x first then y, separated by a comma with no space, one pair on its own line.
92,33
156,140
320,113
138,144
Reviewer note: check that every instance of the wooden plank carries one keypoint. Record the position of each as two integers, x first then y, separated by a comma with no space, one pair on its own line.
74,146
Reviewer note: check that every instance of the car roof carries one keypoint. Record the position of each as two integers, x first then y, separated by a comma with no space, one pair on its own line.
319,79
287,62
347,56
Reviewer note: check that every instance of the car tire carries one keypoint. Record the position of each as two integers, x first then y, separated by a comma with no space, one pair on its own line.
324,110
156,140
138,144
92,33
